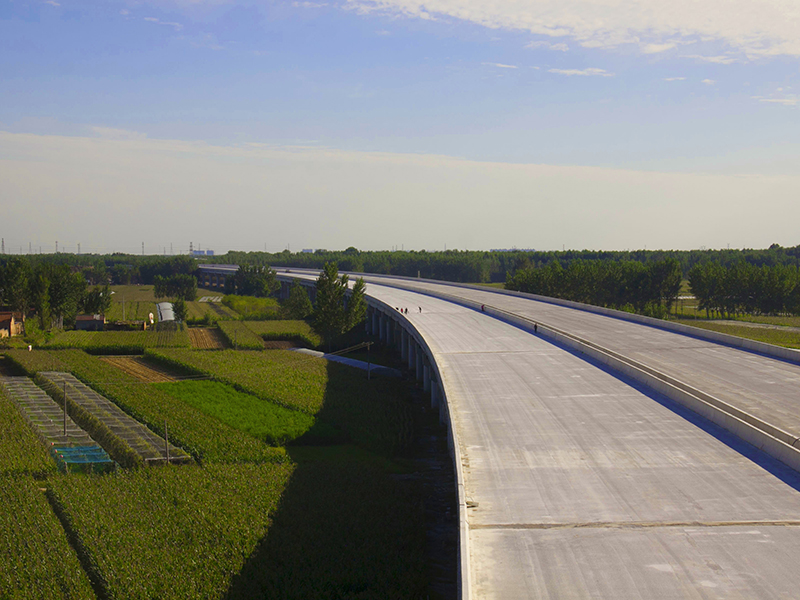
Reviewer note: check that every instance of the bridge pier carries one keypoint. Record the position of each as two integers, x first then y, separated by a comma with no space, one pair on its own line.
426,377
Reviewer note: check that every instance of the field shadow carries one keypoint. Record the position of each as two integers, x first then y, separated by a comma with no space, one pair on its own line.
351,523
344,528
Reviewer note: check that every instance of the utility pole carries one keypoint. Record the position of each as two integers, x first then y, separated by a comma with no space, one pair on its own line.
79,247
56,246
170,248
142,248
4,246
191,248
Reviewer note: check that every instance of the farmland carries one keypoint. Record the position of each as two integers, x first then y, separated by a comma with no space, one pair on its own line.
138,299
252,308
205,338
285,330
245,412
119,342
324,517
240,336
205,437
37,560
371,413
21,452
135,366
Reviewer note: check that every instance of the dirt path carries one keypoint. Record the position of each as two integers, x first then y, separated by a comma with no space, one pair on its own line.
135,366
204,338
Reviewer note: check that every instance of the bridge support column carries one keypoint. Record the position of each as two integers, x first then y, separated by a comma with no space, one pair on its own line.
419,365
376,329
382,327
426,377
403,344
434,393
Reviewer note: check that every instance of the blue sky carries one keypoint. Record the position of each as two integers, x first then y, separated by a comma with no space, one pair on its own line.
607,93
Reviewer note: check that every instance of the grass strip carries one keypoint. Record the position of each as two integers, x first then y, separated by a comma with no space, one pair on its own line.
788,339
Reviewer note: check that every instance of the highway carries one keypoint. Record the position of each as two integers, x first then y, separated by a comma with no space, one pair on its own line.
579,484
767,388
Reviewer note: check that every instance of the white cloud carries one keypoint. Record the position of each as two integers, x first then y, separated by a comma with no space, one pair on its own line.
500,65
309,4
84,188
785,100
582,72
124,12
709,81
109,133
657,48
177,26
720,60
675,79
52,3
560,47
754,28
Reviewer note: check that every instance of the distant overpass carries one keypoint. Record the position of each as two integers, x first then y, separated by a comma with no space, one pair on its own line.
576,480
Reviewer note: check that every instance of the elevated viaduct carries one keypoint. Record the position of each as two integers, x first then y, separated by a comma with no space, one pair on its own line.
600,457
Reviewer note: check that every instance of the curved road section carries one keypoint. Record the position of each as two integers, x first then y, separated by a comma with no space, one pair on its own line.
579,484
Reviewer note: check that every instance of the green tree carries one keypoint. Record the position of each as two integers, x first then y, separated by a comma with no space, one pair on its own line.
16,284
179,309
96,301
253,280
357,304
329,319
298,304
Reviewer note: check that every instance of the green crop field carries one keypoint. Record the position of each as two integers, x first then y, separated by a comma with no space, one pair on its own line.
240,336
263,420
172,532
139,303
119,342
248,520
204,436
285,330
37,560
371,413
250,307
21,452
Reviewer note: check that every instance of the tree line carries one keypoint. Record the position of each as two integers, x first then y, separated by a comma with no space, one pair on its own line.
649,289
745,288
494,266
53,292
